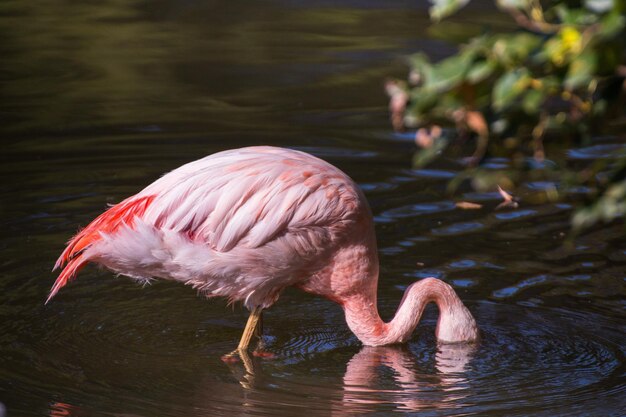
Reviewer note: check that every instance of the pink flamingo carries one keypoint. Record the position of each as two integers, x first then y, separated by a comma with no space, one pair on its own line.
247,223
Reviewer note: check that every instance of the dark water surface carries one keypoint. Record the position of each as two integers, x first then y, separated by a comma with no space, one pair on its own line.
100,98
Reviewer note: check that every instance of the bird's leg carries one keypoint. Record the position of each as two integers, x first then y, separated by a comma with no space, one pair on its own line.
258,333
254,327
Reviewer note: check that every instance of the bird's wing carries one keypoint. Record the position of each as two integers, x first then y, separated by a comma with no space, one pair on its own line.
248,197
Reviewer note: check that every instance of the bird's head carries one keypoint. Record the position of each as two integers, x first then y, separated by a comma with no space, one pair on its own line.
456,325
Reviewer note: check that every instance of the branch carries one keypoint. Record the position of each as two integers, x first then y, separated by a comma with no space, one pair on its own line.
533,25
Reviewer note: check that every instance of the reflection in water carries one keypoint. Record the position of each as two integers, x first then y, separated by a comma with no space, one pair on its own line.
244,368
59,409
364,385
367,384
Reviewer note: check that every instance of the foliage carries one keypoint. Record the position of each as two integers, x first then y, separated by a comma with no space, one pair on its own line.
560,74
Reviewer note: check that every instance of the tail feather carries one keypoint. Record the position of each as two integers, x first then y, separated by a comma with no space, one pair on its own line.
108,222
68,273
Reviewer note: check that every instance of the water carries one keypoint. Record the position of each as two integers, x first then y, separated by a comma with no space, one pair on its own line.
99,99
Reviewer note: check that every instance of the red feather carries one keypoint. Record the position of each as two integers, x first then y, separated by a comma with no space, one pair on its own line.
108,222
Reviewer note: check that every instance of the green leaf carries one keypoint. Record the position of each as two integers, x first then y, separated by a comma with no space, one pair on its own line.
514,4
421,67
513,50
449,73
583,218
478,45
480,70
444,8
419,60
422,100
532,101
577,16
424,156
581,70
611,205
611,26
508,87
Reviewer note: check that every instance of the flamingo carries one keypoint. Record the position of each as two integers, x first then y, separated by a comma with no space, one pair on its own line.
246,224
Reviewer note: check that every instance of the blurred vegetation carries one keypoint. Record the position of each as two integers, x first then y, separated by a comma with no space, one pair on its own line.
559,75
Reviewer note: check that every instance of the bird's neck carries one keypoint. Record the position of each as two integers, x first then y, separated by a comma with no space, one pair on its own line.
455,324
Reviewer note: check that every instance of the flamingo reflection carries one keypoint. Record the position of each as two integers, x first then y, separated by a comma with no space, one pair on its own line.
386,377
365,384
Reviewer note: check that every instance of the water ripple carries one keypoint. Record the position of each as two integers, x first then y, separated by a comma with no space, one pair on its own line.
414,210
548,358
515,214
458,228
434,173
601,151
540,280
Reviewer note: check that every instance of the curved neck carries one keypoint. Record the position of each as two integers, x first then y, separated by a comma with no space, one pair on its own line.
455,323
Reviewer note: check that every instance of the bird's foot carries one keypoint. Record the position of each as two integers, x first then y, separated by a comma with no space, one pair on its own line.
246,374
244,356
240,355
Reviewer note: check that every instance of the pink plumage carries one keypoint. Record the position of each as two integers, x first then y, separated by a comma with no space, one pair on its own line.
247,223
